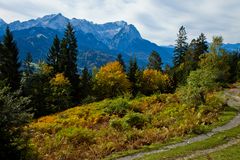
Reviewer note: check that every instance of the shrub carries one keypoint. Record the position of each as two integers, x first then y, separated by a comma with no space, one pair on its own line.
118,107
214,102
199,83
201,129
119,124
89,99
76,136
137,120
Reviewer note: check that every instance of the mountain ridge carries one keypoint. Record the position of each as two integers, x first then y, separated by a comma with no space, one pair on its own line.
104,40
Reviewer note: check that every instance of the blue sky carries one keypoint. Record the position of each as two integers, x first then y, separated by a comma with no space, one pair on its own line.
157,20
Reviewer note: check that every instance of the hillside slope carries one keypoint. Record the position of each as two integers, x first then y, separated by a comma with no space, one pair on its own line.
96,130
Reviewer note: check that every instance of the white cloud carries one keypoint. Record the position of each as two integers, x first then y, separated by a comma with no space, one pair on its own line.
157,20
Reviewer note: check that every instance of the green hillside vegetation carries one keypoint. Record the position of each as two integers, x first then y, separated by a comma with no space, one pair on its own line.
96,130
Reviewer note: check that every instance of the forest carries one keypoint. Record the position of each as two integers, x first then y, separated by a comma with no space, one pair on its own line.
53,110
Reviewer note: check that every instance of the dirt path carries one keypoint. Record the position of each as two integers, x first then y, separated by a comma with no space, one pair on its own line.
232,97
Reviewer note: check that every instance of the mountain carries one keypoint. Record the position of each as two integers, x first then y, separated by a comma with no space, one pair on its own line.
102,42
3,24
232,47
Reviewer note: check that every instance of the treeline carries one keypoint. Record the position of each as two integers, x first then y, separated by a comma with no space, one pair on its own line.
55,85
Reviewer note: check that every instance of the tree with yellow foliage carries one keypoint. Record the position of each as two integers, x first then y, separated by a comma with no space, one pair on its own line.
154,81
111,80
60,92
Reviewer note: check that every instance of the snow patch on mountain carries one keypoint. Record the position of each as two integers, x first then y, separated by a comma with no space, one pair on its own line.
41,35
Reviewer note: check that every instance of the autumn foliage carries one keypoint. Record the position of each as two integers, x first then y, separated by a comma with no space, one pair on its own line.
60,97
111,80
154,81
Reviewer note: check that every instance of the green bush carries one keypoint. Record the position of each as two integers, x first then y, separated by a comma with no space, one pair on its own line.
76,136
137,120
214,102
201,129
89,99
119,124
118,107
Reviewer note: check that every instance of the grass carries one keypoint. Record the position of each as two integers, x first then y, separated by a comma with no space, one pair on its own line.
122,126
217,139
230,153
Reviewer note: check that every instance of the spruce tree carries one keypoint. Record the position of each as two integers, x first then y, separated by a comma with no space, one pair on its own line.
27,65
201,46
191,55
120,60
195,50
9,65
14,114
53,55
155,61
181,47
85,83
132,74
63,56
68,58
2,60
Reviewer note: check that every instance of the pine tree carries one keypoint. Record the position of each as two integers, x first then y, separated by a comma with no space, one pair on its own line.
132,74
191,55
63,56
27,65
120,60
53,55
201,46
9,65
181,47
155,61
68,58
195,50
85,83
2,60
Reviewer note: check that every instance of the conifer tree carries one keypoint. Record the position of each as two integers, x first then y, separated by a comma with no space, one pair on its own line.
68,58
9,65
181,47
201,46
85,83
53,55
155,61
14,114
132,74
2,60
27,65
120,60
195,49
